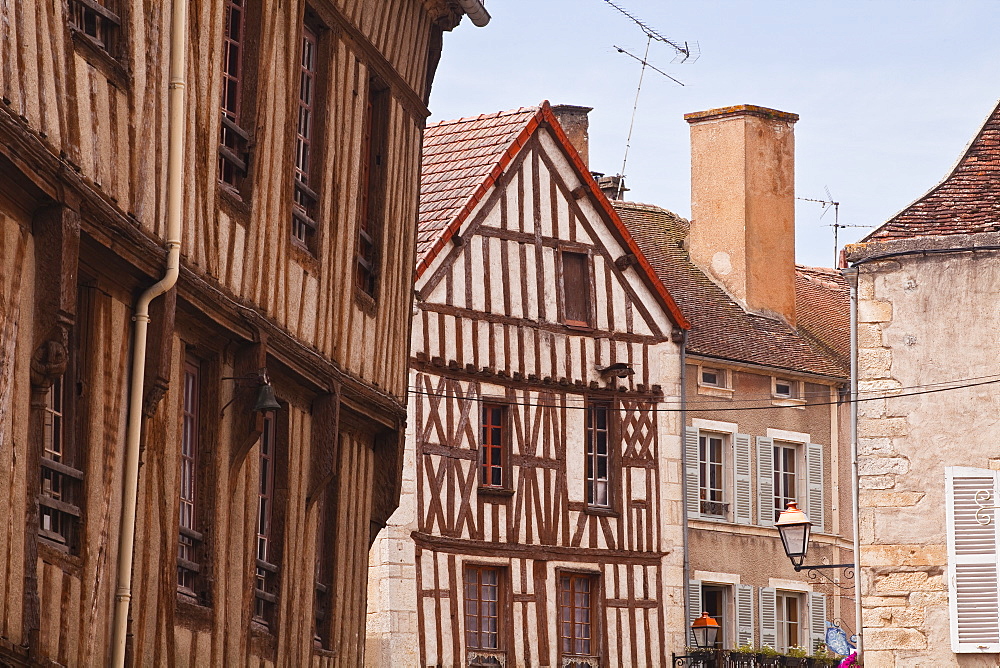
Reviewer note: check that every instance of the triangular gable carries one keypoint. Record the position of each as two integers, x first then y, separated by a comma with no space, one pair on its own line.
440,235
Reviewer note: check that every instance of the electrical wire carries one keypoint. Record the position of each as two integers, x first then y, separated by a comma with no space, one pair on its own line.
893,395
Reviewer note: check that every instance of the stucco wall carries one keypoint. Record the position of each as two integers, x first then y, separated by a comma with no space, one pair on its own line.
922,320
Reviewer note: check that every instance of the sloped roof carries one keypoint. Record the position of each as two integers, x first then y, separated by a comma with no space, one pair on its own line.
462,160
966,202
720,327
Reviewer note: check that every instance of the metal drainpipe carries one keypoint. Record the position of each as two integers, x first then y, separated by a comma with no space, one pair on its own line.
851,275
175,162
476,11
684,490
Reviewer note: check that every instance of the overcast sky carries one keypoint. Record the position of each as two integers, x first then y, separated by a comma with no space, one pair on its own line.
889,92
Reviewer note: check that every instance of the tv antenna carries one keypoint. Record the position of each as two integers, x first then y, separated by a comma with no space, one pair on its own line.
684,52
827,204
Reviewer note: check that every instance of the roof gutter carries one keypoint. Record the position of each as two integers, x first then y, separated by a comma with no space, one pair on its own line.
476,11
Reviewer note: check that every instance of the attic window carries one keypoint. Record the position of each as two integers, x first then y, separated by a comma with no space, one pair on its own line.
712,377
786,389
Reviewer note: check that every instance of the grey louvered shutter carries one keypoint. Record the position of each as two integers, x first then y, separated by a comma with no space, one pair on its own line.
744,615
814,475
972,559
768,618
694,607
765,481
743,478
692,502
817,621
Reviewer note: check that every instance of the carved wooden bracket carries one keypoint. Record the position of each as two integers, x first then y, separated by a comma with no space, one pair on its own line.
325,443
247,423
387,479
159,351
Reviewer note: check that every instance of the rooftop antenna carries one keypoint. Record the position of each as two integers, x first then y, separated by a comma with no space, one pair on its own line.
684,52
827,204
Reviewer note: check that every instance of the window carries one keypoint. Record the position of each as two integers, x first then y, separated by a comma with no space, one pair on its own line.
786,474
712,377
306,199
714,601
493,455
325,551
483,637
234,151
576,618
266,585
576,289
374,154
786,389
61,493
96,20
189,538
789,609
598,454
711,480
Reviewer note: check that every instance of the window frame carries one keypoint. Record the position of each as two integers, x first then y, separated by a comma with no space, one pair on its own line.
591,455
371,205
781,597
308,148
588,302
727,612
477,655
326,567
779,447
795,395
190,540
506,487
594,623
268,570
234,139
724,468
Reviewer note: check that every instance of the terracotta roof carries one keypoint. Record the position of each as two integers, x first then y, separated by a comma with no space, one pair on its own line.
462,160
720,327
966,202
458,156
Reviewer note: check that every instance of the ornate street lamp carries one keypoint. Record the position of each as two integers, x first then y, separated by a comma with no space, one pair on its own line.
705,631
794,528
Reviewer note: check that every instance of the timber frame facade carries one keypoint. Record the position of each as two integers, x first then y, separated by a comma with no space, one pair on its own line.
540,518
253,530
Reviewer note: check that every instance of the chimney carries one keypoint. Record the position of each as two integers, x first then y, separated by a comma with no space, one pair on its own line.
574,122
743,204
613,187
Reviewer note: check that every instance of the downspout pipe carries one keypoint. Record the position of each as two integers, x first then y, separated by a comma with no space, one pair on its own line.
476,11
684,489
175,163
851,275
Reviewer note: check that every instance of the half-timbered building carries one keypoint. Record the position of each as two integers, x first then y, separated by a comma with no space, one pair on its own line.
766,368
273,147
540,520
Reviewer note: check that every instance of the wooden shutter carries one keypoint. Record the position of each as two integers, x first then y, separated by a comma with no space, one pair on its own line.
694,607
691,472
765,481
743,475
817,621
814,482
744,615
768,617
576,288
972,559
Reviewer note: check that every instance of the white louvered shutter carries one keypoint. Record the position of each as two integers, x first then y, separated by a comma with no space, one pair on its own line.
744,615
817,621
768,618
814,483
972,559
743,475
692,502
694,607
765,481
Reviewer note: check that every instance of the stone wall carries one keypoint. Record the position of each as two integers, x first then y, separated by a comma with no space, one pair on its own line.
921,320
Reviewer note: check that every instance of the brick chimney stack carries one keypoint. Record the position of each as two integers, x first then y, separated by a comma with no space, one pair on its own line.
575,124
743,204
